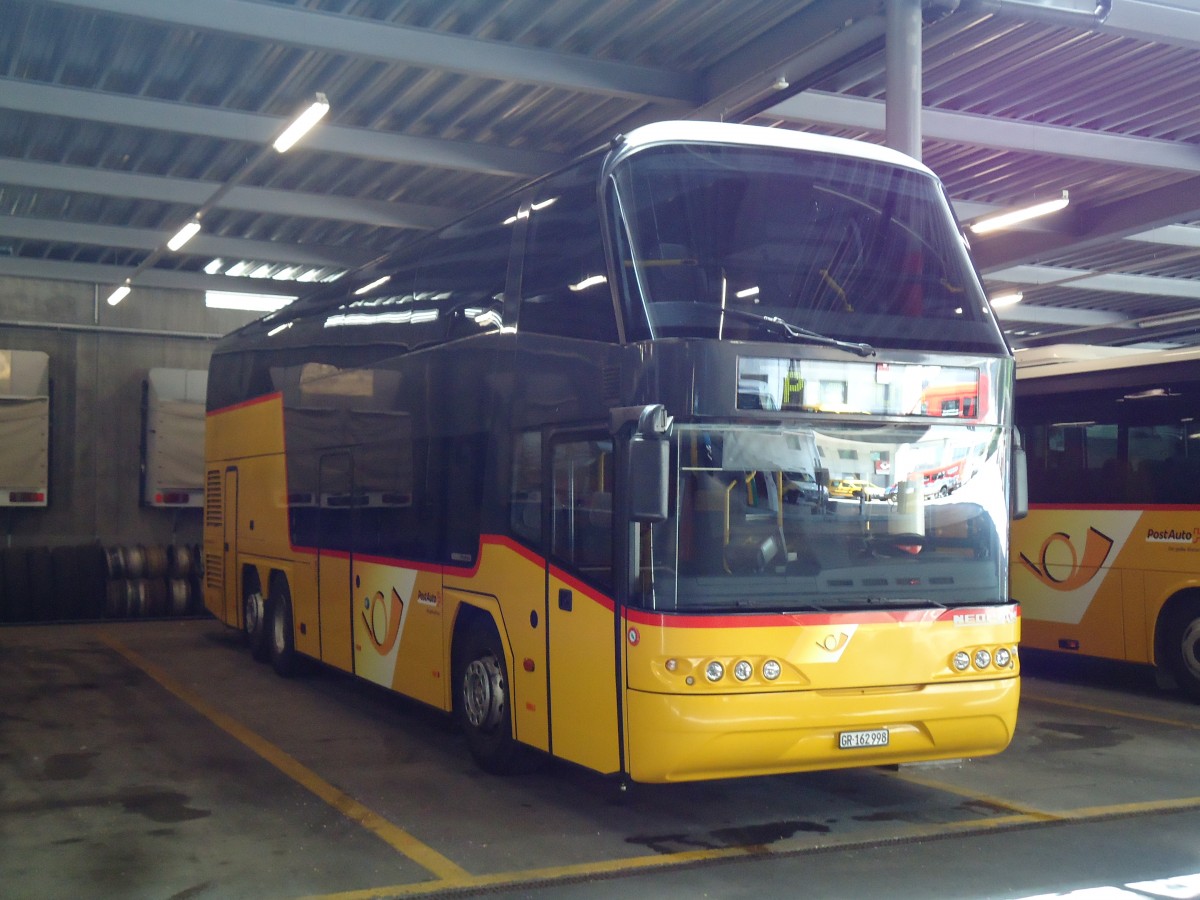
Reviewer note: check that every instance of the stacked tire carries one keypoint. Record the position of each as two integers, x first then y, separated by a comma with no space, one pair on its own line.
154,581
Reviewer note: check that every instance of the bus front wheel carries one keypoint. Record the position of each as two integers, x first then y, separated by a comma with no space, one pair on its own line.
1183,647
482,702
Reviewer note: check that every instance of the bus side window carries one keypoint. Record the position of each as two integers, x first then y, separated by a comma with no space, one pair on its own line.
582,522
564,281
525,516
459,287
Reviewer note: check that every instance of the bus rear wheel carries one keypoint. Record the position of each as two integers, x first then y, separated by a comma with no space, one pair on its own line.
255,625
482,702
1183,647
282,641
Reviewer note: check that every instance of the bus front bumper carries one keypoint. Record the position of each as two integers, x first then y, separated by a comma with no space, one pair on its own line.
688,738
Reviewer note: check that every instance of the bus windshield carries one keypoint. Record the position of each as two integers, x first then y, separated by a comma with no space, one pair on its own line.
724,241
756,529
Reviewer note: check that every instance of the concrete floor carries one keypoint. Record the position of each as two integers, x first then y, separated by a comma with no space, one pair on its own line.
155,759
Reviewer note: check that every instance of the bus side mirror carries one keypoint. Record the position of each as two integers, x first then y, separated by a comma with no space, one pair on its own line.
649,466
1020,479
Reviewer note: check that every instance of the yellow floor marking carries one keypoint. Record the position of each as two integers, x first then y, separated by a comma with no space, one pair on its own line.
1104,710
450,876
393,835
1024,812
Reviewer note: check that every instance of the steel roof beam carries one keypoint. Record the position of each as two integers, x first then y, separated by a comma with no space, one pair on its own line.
162,115
56,231
401,45
1174,22
839,110
1094,226
96,273
189,192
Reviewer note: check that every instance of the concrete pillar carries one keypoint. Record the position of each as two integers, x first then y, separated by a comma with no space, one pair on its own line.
903,112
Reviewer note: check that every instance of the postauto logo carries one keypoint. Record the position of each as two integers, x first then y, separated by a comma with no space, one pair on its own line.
1173,535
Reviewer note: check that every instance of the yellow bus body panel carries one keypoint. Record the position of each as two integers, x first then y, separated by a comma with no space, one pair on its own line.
839,673
1095,579
678,738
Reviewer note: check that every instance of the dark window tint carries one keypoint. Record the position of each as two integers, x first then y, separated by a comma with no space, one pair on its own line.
564,283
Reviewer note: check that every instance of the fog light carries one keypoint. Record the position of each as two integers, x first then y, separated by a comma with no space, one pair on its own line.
1003,658
743,670
962,660
672,665
771,670
714,671
982,659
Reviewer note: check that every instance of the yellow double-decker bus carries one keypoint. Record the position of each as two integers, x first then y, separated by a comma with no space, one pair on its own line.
557,468
1107,563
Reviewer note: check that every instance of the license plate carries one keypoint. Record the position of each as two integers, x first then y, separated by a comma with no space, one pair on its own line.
850,740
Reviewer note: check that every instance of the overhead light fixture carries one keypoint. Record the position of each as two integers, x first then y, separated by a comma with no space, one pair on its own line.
1173,319
119,294
367,288
185,234
245,301
590,281
302,124
1007,299
1024,214
214,267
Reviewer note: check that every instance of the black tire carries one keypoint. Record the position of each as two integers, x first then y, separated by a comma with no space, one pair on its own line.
1181,647
282,643
255,623
482,703
17,589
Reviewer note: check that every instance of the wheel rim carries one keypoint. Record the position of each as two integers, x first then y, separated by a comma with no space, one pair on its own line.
253,614
1189,648
277,632
483,693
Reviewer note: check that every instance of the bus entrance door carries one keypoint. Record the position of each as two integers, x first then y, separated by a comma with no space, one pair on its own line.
580,609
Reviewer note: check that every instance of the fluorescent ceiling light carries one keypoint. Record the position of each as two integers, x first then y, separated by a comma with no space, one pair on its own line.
185,234
244,301
1013,216
1006,299
367,288
214,267
303,123
1173,319
748,292
590,281
118,295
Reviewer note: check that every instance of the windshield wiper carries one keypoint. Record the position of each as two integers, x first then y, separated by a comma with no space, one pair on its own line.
801,335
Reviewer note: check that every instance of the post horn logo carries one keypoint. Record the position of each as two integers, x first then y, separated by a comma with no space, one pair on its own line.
383,625
1096,548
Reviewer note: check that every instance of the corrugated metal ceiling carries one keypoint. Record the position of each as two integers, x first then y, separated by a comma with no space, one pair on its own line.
119,118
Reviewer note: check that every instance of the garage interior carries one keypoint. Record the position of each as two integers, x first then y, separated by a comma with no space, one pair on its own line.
124,120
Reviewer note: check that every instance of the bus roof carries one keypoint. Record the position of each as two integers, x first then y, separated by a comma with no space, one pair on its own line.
760,136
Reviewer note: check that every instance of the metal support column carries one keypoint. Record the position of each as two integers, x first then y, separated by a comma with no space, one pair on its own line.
903,116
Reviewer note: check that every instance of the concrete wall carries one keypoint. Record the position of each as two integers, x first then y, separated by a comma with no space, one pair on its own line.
99,358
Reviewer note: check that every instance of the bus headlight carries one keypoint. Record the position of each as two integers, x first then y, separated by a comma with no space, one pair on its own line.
714,671
771,670
743,670
962,660
1003,658
982,659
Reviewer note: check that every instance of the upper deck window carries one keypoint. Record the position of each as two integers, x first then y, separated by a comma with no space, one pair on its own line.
719,238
